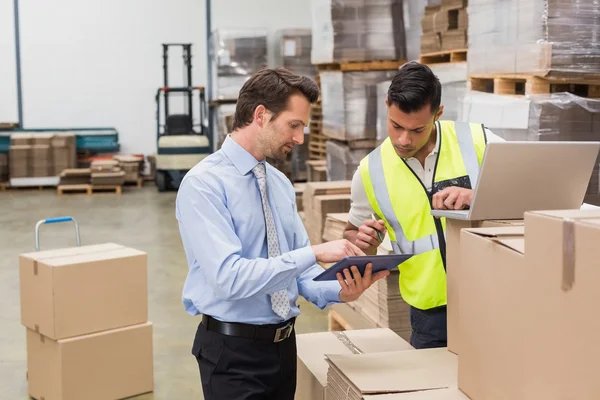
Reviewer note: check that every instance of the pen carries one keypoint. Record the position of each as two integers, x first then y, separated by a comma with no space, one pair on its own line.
378,233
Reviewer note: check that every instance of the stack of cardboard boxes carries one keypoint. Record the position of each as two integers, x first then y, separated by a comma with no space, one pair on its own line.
107,173
3,167
525,292
320,199
85,310
41,155
444,27
131,166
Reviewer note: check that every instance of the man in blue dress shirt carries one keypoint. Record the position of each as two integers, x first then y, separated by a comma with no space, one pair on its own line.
248,253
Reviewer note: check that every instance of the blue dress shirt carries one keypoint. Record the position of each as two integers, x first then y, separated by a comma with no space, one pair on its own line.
222,227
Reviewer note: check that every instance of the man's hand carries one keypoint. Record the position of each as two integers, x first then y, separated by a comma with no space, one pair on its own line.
336,250
452,198
367,239
354,285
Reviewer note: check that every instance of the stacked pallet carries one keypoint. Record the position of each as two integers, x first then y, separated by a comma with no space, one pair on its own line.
350,102
317,141
544,80
320,199
41,155
444,32
131,166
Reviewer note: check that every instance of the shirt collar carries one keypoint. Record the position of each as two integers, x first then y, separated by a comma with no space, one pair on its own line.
243,161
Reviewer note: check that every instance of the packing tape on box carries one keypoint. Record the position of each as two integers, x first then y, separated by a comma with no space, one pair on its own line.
568,269
347,342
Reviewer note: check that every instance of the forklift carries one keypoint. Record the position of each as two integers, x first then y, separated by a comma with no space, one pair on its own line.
182,141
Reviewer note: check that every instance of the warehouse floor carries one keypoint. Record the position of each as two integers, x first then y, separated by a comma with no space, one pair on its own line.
140,218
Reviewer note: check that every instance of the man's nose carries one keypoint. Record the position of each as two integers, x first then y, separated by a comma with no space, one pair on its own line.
298,137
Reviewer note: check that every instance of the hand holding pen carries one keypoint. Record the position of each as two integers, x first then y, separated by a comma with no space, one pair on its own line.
370,234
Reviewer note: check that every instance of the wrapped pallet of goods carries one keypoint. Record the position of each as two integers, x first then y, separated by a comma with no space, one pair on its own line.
235,56
343,159
294,48
549,117
444,27
541,37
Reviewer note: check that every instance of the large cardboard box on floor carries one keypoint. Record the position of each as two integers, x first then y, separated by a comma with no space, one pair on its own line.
81,290
112,364
312,347
491,305
527,320
352,376
454,273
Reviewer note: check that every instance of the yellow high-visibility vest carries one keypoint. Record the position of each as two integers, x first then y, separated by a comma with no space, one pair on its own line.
401,200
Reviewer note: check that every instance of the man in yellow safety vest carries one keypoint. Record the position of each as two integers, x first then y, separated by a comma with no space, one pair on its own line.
424,164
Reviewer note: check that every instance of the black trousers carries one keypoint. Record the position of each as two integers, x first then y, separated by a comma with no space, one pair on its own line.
429,329
233,368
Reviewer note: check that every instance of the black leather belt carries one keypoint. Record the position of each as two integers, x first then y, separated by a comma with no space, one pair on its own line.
270,333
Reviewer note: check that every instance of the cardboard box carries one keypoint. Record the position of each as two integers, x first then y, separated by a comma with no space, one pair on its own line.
320,199
440,394
19,161
560,357
353,376
80,290
108,365
312,347
492,312
454,273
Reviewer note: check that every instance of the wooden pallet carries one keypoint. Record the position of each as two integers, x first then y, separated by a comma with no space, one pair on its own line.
139,183
62,189
88,189
521,84
448,56
384,65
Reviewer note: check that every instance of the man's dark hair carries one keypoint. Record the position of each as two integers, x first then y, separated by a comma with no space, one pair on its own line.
414,87
272,88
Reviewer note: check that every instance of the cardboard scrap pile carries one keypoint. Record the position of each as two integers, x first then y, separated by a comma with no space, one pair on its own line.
383,306
351,377
320,199
85,310
107,173
444,26
76,176
130,165
335,223
312,348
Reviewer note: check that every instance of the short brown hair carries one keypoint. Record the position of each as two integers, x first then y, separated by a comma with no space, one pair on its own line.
272,88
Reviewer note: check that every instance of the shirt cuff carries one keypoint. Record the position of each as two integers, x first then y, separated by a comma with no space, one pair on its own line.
330,293
304,258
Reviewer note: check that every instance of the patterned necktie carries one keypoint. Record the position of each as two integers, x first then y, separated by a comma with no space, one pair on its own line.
279,300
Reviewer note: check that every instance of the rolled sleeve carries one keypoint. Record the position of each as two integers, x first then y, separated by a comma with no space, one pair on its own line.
360,209
304,258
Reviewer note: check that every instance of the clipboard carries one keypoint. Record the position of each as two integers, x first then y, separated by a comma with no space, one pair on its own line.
380,263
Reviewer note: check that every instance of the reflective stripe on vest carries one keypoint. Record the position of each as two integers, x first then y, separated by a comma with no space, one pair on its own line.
467,150
401,245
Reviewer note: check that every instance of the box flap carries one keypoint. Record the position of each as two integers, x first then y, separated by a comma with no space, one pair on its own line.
512,237
498,232
92,257
573,214
313,346
436,394
42,255
398,371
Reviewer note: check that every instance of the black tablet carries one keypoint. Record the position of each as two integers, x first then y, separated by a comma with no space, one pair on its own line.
380,263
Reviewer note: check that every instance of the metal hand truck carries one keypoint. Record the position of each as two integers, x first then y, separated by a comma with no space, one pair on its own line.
54,221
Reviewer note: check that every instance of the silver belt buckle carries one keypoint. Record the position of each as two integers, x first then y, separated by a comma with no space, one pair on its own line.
284,332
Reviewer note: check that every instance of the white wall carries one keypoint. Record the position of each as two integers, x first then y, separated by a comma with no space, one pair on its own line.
8,80
99,63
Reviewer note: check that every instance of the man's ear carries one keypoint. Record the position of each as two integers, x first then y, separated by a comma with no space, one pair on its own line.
439,113
260,115
387,102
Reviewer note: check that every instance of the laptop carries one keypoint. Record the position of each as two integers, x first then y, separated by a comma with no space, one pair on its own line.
516,177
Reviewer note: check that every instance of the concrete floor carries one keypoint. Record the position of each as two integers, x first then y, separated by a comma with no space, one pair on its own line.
139,218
